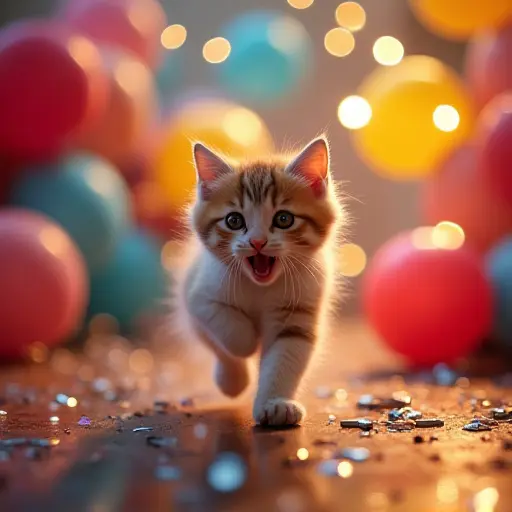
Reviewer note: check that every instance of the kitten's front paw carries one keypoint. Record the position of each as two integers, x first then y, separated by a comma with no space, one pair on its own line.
279,412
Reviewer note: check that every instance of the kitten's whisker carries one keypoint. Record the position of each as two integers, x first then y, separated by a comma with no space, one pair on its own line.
306,267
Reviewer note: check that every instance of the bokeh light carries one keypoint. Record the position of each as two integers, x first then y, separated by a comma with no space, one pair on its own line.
339,42
421,238
354,112
447,491
173,37
243,126
72,402
388,51
301,4
345,469
350,15
448,235
353,260
141,361
486,500
446,118
216,50
302,453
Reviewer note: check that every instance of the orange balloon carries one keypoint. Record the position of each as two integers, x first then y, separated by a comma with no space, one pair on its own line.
489,64
224,126
130,110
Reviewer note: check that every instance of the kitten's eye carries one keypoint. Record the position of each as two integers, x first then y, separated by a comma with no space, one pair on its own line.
283,220
235,221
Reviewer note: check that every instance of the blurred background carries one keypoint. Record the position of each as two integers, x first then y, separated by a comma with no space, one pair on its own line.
99,98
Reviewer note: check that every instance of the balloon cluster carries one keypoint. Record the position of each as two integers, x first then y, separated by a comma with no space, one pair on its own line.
94,173
435,293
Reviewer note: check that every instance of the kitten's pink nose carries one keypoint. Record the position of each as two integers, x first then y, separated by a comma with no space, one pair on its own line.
258,243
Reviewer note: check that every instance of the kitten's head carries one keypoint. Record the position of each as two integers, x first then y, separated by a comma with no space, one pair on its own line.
264,215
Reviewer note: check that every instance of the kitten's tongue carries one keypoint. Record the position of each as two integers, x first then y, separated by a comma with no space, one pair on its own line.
261,265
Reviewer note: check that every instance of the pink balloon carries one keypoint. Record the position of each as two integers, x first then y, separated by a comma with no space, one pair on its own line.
460,193
488,64
429,305
134,25
130,110
43,292
495,137
52,84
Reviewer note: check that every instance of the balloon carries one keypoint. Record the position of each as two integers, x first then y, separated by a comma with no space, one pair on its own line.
459,19
86,196
169,73
134,25
495,129
52,85
420,111
429,304
460,192
225,126
488,68
44,285
129,113
133,282
269,58
499,270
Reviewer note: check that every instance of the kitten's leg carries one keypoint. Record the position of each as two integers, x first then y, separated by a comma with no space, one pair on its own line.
282,367
228,327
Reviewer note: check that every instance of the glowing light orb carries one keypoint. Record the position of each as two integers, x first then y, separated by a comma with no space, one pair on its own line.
216,50
354,112
446,118
173,37
388,51
301,4
448,235
350,15
339,42
302,454
353,260
345,469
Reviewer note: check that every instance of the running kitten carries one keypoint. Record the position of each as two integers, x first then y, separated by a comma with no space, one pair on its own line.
263,275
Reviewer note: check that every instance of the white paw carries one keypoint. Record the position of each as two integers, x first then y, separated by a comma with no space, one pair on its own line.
279,412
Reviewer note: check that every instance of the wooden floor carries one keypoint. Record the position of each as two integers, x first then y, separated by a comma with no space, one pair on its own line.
206,455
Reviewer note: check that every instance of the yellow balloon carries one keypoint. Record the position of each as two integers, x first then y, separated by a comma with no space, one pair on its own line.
420,111
223,126
460,19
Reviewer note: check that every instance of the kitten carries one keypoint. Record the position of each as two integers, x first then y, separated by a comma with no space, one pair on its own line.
262,277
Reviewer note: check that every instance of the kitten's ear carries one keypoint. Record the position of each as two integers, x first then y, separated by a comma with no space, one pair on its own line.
209,168
312,165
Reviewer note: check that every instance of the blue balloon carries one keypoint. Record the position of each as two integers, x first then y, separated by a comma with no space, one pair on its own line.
133,283
499,270
86,196
270,55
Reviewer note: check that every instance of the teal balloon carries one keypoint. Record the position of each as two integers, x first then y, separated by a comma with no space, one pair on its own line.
270,56
499,270
86,196
133,283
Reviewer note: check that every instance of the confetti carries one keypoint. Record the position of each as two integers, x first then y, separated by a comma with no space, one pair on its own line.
362,423
501,414
3,414
159,442
429,423
142,429
400,426
476,426
84,421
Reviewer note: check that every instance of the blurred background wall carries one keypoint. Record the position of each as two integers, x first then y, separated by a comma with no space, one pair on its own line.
380,207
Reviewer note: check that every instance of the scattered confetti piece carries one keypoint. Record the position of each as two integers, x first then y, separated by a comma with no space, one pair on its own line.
142,429
362,423
84,421
429,423
476,426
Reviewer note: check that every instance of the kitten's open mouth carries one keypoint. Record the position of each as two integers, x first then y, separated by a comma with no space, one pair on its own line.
261,266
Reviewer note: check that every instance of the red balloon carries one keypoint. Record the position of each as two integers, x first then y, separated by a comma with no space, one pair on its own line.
52,84
488,64
460,193
43,293
495,130
430,305
134,25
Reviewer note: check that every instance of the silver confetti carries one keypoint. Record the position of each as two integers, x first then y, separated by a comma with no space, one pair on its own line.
476,426
429,423
142,429
362,423
400,426
501,414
